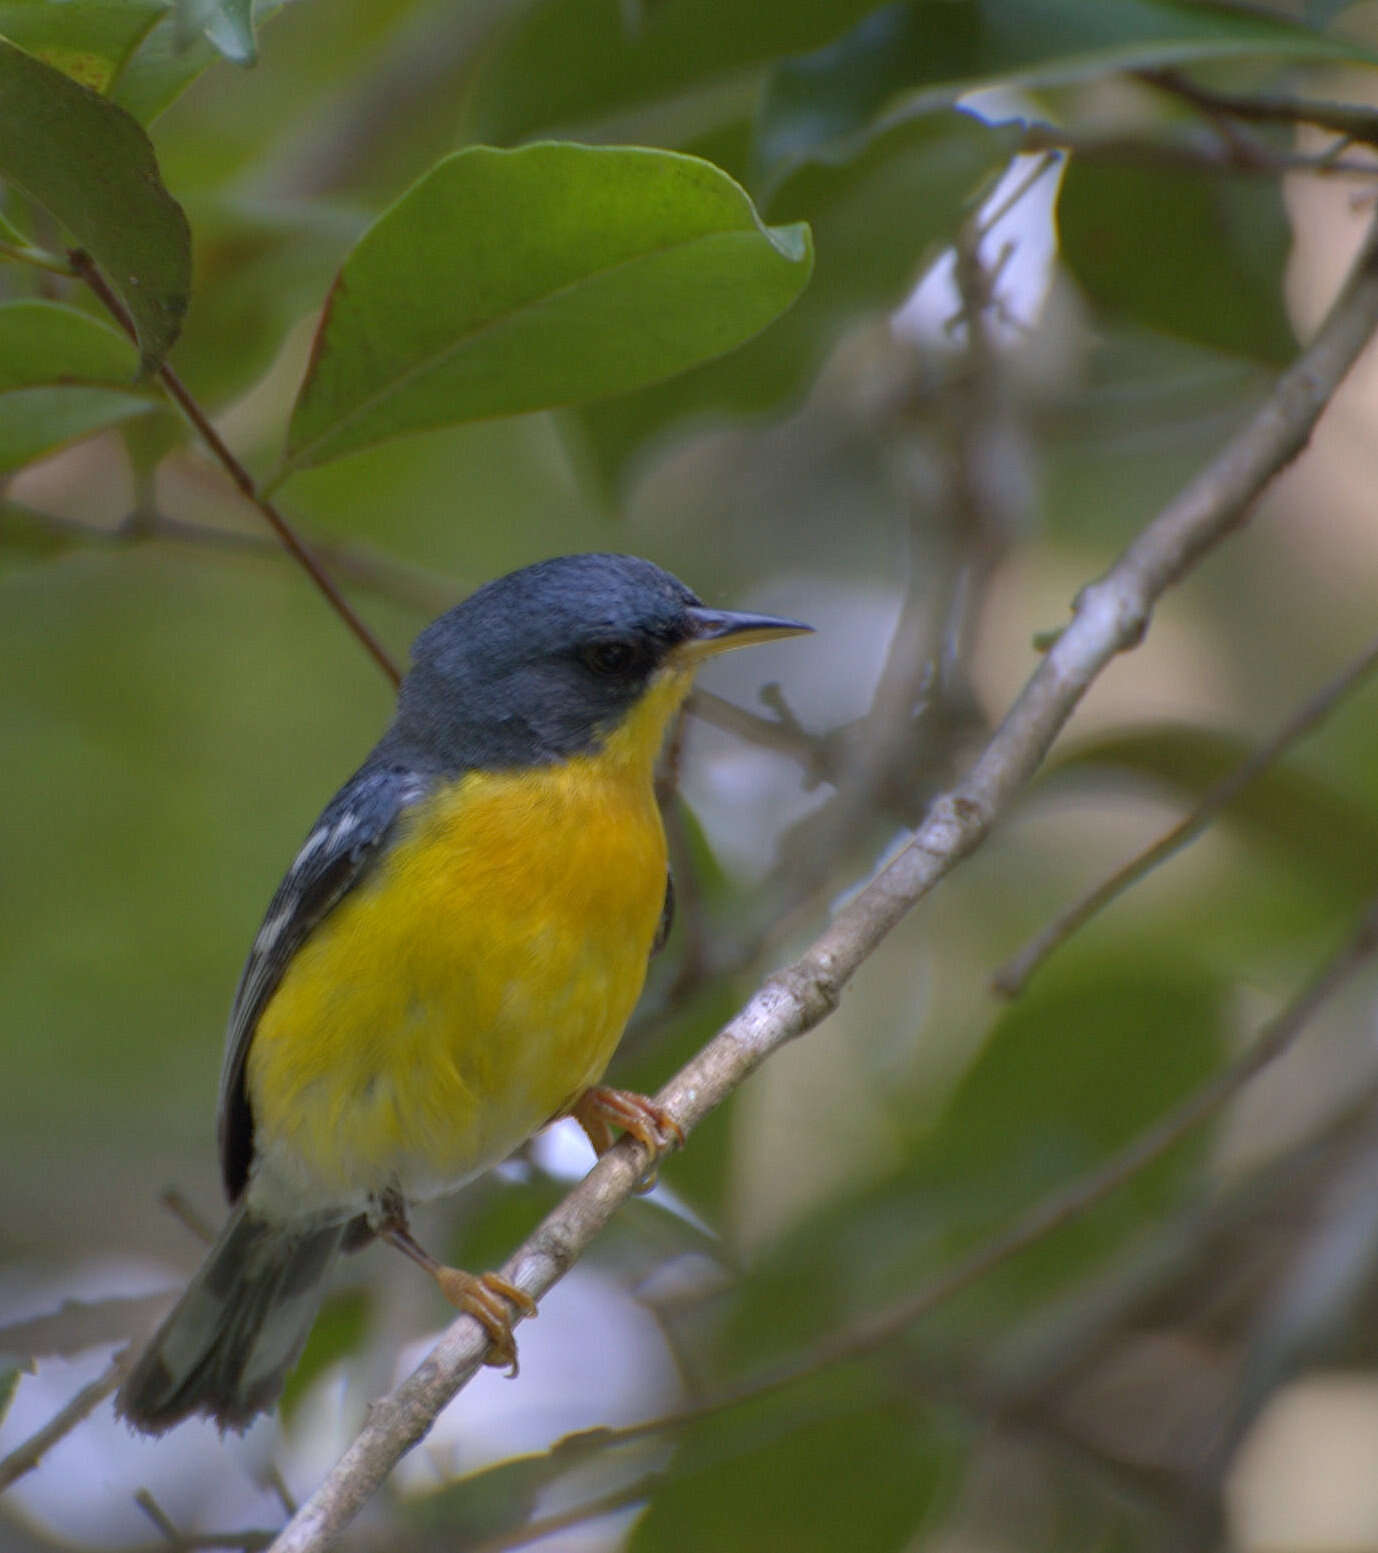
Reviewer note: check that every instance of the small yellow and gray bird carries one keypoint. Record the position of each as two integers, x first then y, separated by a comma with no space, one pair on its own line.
448,964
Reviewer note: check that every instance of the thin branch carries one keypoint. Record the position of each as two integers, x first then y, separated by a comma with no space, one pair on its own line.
175,1541
1110,616
1013,976
84,266
1354,124
1225,154
27,1455
384,575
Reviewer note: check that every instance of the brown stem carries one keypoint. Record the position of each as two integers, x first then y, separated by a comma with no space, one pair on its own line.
84,266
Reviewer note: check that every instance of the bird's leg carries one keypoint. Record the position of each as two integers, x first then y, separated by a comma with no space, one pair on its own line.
599,1110
485,1297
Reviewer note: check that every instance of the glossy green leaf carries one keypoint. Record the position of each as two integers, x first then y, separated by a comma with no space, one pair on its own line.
507,281
63,375
88,40
925,54
873,224
92,167
1200,258
572,61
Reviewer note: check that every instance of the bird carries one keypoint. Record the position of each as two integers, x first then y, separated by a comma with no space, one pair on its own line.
447,965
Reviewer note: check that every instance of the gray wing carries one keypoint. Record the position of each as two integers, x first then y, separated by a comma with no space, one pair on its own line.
344,843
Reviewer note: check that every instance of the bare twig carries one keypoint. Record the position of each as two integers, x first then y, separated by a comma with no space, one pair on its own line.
84,266
1110,616
1013,976
26,1456
1353,124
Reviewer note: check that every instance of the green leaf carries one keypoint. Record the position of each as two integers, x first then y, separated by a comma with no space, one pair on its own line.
1199,258
791,1473
90,164
873,223
508,281
35,421
568,61
925,54
1096,1051
45,342
63,375
88,40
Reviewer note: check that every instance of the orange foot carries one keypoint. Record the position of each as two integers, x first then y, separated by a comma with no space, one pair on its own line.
486,1297
599,1110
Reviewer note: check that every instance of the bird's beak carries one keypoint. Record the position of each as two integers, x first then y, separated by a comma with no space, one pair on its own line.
721,630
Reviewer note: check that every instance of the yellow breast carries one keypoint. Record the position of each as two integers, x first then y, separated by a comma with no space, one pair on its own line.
476,982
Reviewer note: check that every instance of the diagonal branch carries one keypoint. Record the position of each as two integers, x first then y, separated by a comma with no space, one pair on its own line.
1110,616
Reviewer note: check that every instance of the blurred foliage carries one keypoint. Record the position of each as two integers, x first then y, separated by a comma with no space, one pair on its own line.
800,346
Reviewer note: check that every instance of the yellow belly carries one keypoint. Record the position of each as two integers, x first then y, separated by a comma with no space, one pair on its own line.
468,990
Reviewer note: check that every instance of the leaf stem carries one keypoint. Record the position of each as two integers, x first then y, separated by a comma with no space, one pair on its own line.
84,267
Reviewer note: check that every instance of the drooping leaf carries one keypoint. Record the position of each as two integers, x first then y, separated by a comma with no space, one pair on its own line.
1199,258
924,54
88,163
88,40
508,281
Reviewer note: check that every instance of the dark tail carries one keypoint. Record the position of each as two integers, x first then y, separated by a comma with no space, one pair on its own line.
231,1339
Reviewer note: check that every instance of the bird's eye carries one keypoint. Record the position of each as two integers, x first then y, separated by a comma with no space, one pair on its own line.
611,657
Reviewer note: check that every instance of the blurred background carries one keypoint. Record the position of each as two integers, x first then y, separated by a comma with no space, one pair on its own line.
1009,359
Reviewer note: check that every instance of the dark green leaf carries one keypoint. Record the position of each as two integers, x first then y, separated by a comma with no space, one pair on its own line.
508,281
929,52
1096,1051
566,61
791,1474
1200,258
90,164
88,40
